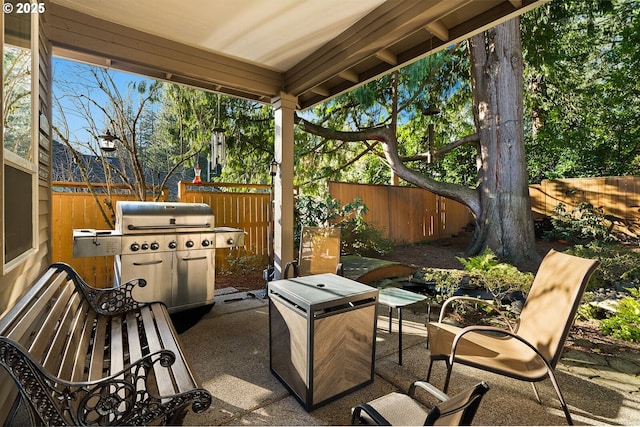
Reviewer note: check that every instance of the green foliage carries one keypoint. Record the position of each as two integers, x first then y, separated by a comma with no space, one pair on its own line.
441,80
497,277
582,66
589,311
482,271
481,263
358,236
446,281
619,264
582,225
242,261
625,323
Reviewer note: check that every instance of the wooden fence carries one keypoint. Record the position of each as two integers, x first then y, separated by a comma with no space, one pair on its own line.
405,214
617,196
241,206
245,206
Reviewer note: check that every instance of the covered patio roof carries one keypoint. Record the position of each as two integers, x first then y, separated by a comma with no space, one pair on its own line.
257,49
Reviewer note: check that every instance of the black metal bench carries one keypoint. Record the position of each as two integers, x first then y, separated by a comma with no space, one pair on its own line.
87,356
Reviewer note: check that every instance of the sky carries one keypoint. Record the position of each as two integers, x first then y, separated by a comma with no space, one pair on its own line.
63,70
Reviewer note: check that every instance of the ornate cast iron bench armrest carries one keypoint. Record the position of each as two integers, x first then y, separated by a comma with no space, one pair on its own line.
108,301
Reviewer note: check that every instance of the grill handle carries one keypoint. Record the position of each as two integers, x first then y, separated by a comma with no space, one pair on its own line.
167,227
148,262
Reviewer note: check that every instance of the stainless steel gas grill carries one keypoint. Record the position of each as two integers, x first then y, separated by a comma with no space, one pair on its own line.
171,245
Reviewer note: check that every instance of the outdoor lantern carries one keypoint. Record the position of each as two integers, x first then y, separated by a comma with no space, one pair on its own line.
273,168
108,141
218,150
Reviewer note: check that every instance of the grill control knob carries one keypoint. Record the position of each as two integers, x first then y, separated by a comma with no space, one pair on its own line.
145,246
206,242
155,246
134,247
189,243
173,245
230,241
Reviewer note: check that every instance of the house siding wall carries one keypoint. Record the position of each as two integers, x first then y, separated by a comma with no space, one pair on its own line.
16,282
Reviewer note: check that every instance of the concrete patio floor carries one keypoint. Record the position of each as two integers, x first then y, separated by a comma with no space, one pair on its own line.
229,351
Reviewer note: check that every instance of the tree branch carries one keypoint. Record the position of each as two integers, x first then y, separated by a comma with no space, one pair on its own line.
376,134
469,139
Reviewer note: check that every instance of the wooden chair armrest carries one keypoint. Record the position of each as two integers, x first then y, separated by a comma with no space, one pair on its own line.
486,303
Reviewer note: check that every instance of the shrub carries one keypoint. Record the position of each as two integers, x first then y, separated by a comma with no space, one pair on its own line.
445,281
619,264
495,276
625,323
358,237
482,271
242,261
582,225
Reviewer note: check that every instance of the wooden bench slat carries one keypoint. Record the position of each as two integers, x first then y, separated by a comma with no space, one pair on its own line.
63,336
80,359
135,349
163,376
96,363
117,349
183,375
26,319
78,311
43,339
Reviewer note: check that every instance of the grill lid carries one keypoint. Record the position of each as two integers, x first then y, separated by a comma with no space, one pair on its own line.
163,217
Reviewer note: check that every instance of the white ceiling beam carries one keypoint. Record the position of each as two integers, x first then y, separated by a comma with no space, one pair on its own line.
387,56
438,29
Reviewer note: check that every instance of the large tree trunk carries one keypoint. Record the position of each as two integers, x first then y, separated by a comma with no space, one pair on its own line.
504,222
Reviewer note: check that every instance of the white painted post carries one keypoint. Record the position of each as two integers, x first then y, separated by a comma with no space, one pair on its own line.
284,106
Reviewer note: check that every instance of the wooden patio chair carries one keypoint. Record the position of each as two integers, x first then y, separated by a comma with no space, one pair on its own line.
531,350
398,409
319,252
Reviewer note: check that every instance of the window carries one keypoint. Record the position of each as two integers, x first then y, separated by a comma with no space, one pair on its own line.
19,156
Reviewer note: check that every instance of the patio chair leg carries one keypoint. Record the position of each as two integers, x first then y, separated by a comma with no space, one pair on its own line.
535,391
563,404
429,371
446,381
